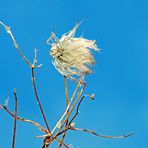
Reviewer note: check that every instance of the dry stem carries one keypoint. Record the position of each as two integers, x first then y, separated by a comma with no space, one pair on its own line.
23,119
32,66
15,118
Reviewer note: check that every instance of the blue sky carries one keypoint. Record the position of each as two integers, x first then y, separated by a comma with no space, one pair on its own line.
120,80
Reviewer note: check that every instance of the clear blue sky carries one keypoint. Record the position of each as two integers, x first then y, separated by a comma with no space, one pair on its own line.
120,81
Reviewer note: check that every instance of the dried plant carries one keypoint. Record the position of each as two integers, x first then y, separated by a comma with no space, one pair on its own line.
71,55
72,58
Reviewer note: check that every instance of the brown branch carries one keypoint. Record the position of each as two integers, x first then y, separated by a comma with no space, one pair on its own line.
99,135
48,140
15,118
38,100
67,125
77,110
23,119
29,121
32,66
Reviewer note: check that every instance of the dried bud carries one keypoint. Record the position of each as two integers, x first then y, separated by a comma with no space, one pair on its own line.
71,55
72,124
92,96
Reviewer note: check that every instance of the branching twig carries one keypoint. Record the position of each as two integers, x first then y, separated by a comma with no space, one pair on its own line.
59,122
63,122
77,111
15,118
76,100
23,119
32,66
8,30
66,111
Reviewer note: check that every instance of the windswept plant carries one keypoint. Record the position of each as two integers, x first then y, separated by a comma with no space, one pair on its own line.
73,58
71,55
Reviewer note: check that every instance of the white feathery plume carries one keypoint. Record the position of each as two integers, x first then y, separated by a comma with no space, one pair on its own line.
71,55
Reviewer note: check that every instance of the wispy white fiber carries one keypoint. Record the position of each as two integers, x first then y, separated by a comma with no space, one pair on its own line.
72,56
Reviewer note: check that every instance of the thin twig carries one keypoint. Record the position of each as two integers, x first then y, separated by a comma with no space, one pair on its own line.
68,124
15,118
66,90
32,66
62,142
77,110
23,119
29,121
38,100
59,122
76,100
66,94
8,30
99,135
64,114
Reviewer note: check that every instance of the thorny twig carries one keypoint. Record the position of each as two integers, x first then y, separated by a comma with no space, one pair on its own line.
15,118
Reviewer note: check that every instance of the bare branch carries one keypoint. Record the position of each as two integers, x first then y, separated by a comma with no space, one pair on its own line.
66,124
77,110
76,100
8,30
59,122
15,118
23,119
66,90
48,140
65,113
38,100
99,135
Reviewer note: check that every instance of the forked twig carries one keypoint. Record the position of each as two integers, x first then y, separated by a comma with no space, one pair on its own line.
68,106
32,66
63,122
74,104
8,30
64,114
15,118
23,119
77,110
71,127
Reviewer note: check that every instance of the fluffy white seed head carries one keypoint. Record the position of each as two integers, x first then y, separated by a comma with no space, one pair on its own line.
71,55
